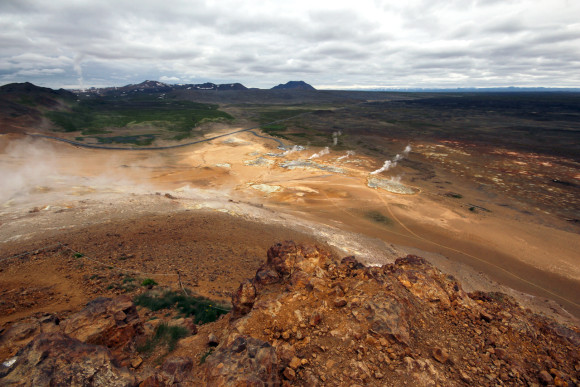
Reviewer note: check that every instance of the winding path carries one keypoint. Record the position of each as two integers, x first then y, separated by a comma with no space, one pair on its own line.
251,130
96,146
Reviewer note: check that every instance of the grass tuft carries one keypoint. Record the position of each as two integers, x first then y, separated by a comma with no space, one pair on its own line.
205,355
203,309
164,335
148,282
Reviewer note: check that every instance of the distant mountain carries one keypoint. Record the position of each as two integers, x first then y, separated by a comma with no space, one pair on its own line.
34,94
22,105
213,86
152,87
143,87
294,85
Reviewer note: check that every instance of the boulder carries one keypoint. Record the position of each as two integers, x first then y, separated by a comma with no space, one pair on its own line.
177,368
428,283
247,361
21,333
243,299
387,317
113,323
288,257
54,359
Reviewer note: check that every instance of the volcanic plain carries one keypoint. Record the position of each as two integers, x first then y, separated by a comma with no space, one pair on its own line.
484,186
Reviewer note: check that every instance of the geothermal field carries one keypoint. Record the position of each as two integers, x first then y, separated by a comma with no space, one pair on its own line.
484,189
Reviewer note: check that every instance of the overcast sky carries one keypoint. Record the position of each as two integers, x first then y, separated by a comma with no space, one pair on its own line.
329,44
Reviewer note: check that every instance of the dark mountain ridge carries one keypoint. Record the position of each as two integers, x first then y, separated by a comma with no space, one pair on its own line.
36,94
22,105
294,85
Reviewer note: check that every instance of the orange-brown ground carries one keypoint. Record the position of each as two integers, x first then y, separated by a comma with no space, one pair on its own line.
77,196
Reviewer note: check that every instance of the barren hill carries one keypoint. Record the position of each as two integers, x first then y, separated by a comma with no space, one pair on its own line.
22,105
307,318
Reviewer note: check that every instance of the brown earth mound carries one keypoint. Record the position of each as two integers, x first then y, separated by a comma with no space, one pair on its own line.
307,319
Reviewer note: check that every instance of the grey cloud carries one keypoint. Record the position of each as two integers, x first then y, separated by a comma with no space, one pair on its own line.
260,43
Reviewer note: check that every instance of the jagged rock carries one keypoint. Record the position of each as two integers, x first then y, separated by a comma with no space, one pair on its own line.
352,263
265,276
246,361
441,355
545,377
287,257
295,363
339,302
155,380
289,373
428,283
113,323
54,359
300,280
307,320
21,333
387,317
136,362
315,319
419,281
501,354
465,377
485,316
177,368
243,299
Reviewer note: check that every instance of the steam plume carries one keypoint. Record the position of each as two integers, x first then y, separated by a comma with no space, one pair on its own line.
393,163
77,67
348,153
295,148
335,137
323,152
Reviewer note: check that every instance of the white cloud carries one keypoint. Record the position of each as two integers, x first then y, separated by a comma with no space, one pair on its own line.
167,79
40,72
365,43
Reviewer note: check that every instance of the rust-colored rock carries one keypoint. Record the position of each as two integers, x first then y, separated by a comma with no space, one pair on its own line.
243,299
266,275
289,373
307,320
54,359
177,368
23,332
545,377
155,380
387,317
112,322
315,319
339,302
352,263
247,361
287,257
440,354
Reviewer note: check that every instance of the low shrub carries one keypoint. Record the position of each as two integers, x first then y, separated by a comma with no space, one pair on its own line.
202,309
148,282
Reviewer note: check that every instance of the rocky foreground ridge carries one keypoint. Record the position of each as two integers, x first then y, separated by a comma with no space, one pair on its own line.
307,319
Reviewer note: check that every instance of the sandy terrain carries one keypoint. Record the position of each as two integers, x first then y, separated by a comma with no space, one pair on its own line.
56,193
